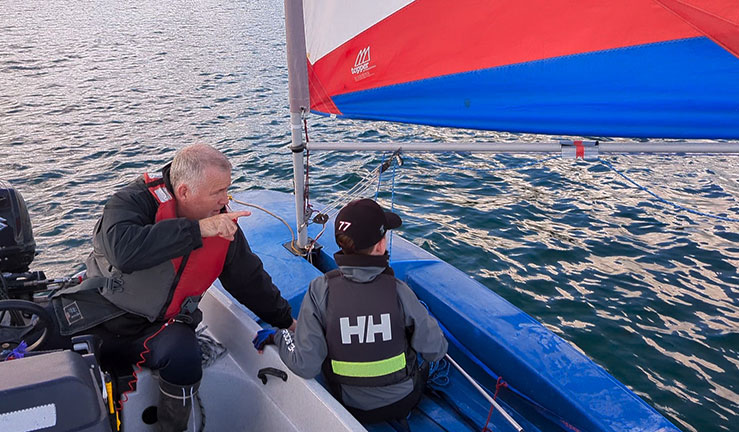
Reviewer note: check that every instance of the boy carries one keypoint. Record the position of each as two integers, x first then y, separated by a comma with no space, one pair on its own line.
361,326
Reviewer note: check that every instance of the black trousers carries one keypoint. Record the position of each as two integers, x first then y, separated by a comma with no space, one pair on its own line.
174,351
399,409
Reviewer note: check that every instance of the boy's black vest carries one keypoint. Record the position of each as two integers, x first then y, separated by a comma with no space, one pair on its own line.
368,344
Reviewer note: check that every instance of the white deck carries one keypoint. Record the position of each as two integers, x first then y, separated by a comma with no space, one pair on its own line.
233,397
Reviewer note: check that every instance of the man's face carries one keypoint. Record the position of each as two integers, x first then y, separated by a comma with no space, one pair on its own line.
207,197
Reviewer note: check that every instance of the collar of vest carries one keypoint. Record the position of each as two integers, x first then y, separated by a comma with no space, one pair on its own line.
356,260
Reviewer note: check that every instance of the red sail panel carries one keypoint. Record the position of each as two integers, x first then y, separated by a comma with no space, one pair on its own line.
428,39
715,19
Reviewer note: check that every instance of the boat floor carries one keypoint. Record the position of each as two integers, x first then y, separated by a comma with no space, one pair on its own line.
235,399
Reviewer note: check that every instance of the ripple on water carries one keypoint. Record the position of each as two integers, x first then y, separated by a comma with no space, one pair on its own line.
92,98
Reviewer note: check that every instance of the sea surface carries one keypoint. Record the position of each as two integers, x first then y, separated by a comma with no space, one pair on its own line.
93,93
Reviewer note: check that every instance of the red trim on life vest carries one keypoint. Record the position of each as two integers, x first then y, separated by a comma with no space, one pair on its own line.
158,189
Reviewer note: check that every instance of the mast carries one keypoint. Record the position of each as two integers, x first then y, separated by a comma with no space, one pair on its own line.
297,76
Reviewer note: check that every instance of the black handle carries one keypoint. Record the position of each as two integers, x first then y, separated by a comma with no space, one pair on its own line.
262,374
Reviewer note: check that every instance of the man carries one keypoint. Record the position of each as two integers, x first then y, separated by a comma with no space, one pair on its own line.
161,242
361,326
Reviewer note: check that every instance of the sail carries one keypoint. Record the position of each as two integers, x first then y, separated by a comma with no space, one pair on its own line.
633,68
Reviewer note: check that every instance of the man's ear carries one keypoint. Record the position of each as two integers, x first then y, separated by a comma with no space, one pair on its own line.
182,192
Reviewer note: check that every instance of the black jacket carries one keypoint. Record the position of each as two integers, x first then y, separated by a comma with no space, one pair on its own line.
132,241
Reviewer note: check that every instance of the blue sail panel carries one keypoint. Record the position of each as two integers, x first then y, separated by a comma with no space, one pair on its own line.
679,89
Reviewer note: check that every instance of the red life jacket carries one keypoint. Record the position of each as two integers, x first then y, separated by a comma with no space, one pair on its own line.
203,265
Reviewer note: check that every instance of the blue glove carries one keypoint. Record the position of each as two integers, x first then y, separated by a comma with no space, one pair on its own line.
264,337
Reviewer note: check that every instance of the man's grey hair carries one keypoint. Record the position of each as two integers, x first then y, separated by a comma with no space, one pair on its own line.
189,164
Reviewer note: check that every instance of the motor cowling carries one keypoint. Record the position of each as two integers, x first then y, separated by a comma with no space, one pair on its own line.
17,246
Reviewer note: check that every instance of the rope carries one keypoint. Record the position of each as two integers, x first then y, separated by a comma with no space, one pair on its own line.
659,198
498,385
210,349
392,208
561,421
309,252
292,233
202,411
439,373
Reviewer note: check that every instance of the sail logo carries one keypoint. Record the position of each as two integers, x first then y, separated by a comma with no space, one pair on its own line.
362,64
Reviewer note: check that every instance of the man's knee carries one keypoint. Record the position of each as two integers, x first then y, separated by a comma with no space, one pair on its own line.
178,355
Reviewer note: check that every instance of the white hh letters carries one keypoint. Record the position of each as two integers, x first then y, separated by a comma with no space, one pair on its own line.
370,330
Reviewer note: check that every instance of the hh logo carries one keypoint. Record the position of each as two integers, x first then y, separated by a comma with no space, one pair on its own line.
362,63
366,329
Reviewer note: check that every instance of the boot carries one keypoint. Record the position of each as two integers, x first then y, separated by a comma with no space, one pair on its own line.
175,406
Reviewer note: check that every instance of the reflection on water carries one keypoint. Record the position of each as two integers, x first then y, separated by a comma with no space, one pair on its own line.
92,94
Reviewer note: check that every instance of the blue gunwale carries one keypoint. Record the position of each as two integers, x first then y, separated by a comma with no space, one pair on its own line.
528,356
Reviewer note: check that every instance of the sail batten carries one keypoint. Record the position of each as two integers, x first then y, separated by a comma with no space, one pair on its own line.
635,68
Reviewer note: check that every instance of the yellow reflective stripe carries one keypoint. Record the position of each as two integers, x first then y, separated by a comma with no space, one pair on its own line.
369,369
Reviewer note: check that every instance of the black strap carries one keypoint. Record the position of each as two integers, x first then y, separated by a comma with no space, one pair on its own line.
174,285
156,182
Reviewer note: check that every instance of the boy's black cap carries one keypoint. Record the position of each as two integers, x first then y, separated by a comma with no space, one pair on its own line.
365,222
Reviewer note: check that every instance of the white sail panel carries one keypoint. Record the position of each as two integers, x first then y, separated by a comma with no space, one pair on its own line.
330,23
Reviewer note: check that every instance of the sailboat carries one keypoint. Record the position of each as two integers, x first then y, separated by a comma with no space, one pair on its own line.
657,69
663,73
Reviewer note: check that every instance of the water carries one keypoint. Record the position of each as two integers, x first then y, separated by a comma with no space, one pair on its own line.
94,93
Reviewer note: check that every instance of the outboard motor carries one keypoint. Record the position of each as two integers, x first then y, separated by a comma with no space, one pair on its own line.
17,247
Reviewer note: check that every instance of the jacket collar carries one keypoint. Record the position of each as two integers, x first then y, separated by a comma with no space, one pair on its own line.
166,177
363,268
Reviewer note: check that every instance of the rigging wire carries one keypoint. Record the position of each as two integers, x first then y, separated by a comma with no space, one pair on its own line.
307,209
659,198
358,189
379,178
361,188
608,164
392,209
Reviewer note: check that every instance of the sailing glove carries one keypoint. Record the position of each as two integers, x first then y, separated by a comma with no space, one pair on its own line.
264,337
